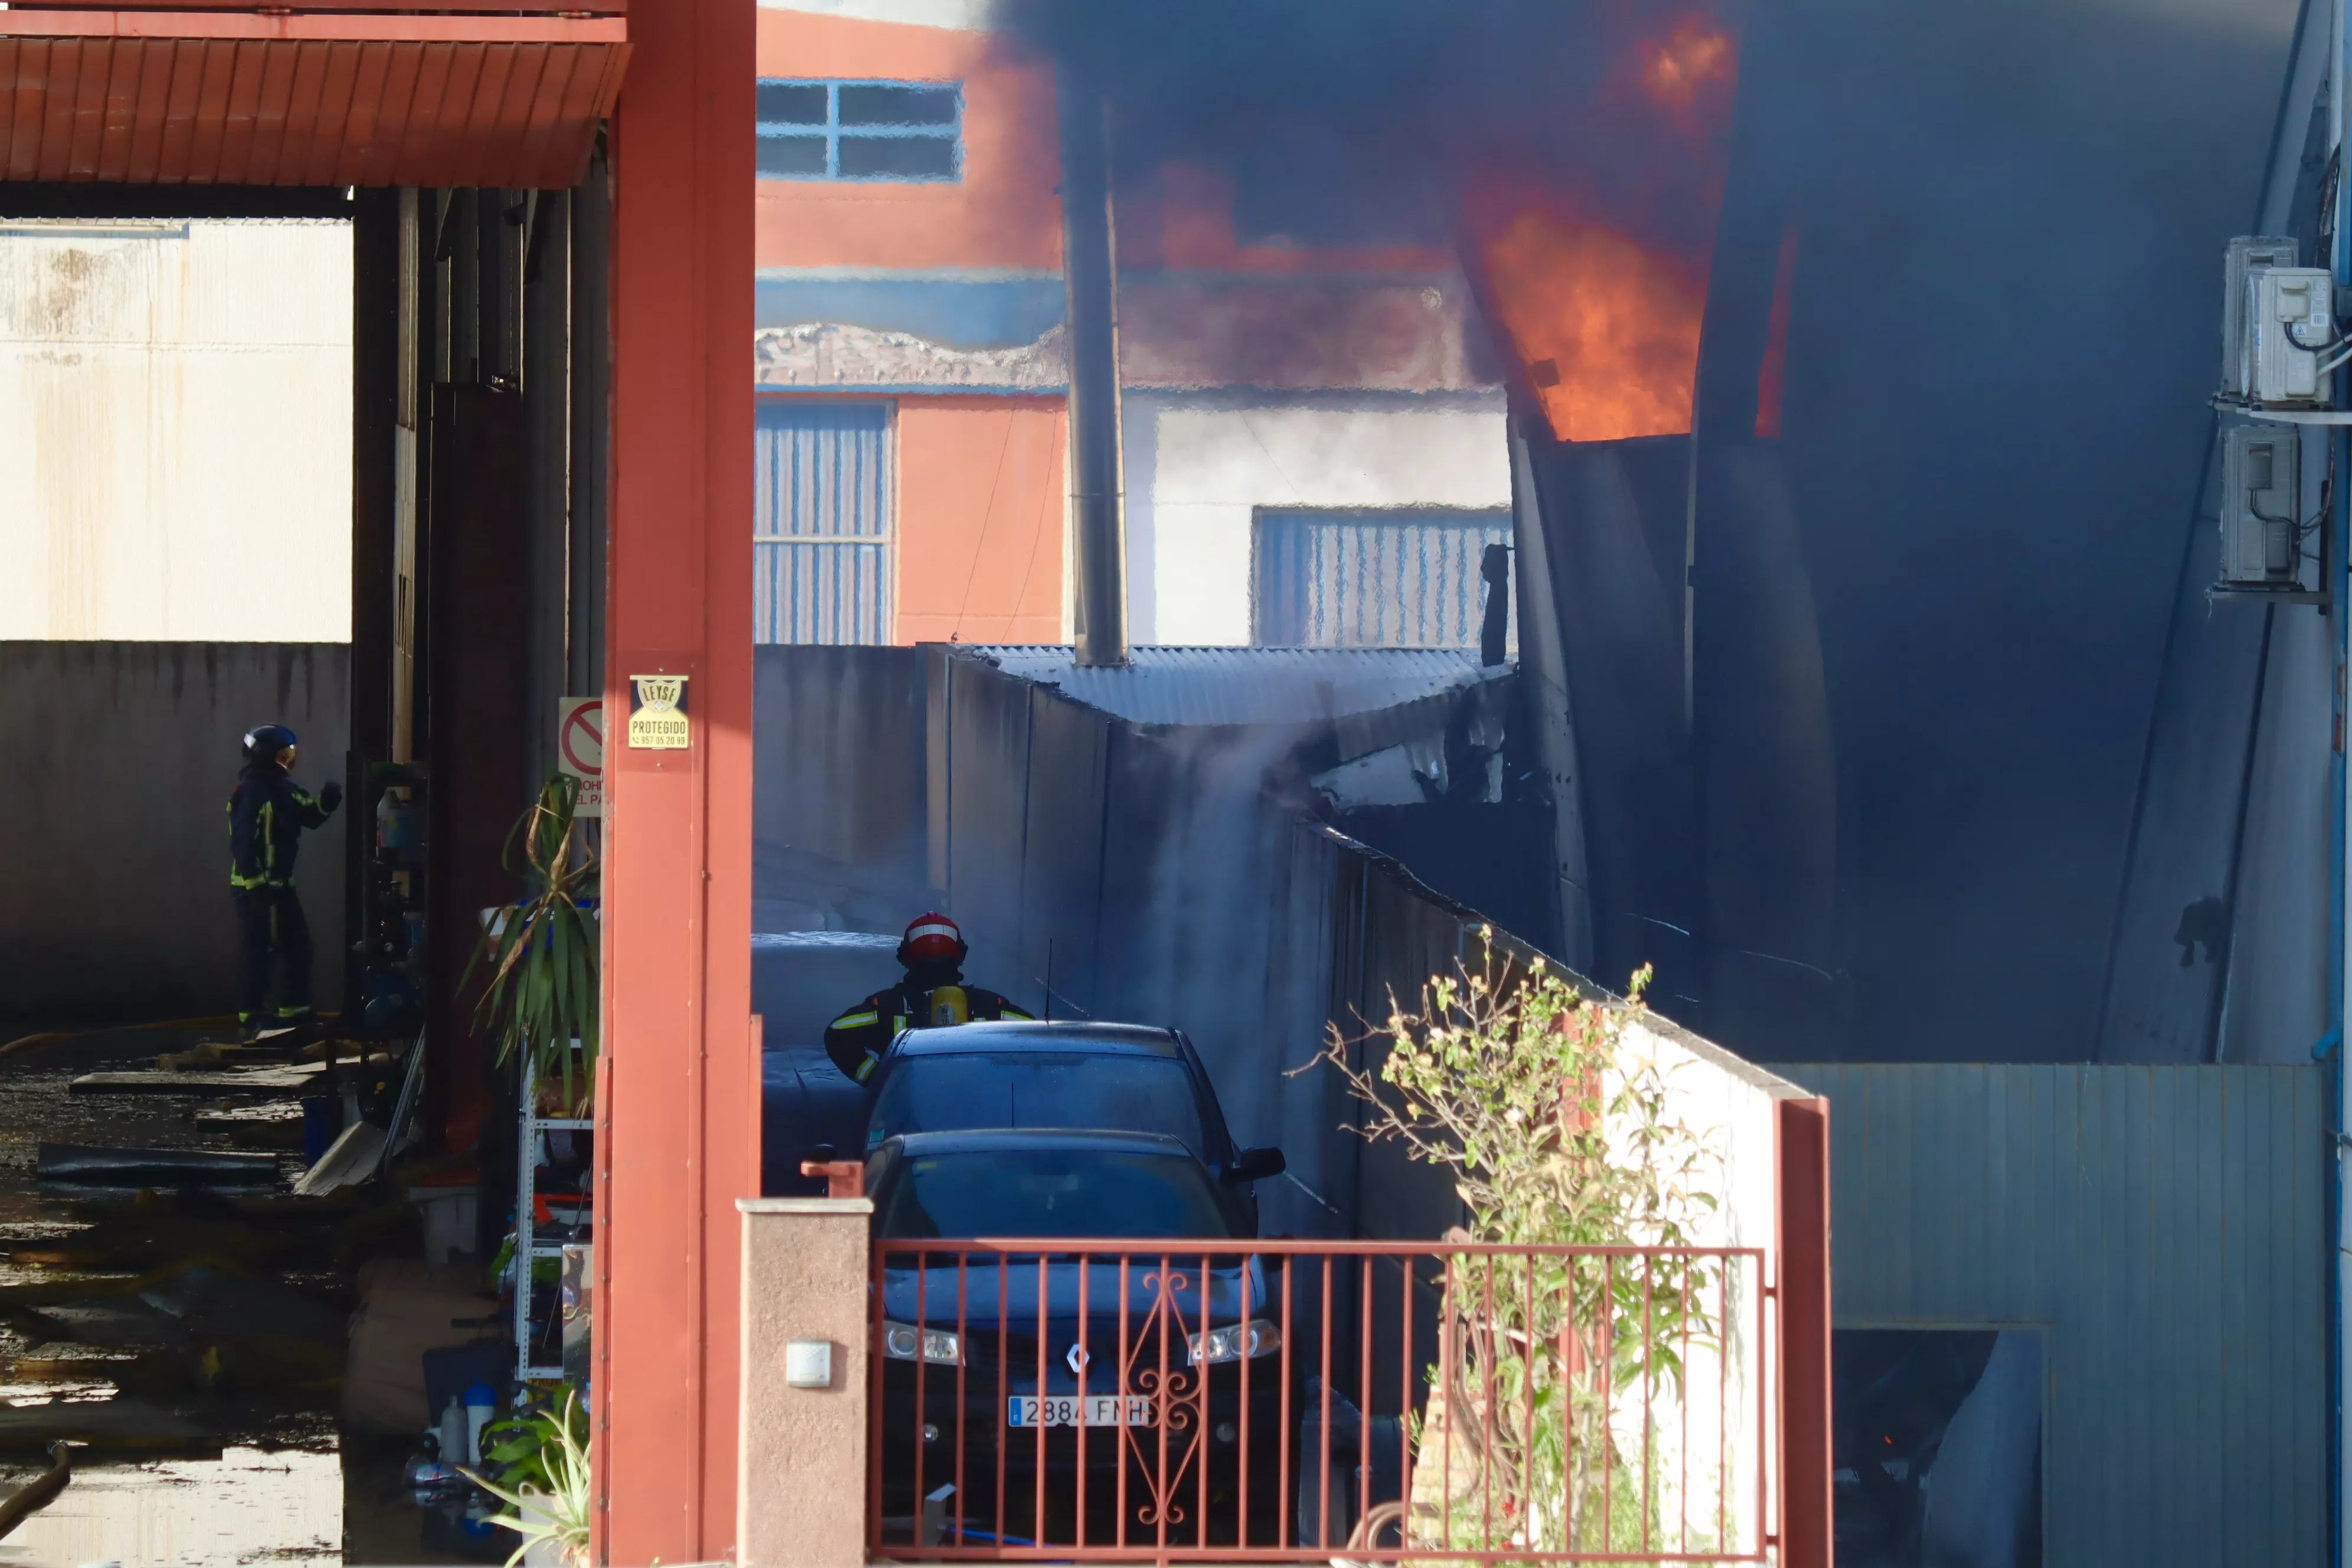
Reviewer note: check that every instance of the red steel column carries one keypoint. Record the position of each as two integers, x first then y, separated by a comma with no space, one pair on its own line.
1806,1434
679,1114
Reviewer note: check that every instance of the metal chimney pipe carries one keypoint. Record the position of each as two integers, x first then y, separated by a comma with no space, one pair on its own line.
1090,283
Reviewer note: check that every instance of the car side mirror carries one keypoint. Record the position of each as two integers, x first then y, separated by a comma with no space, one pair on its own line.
1255,1164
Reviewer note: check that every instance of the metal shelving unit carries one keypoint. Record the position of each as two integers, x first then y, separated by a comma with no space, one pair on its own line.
529,1245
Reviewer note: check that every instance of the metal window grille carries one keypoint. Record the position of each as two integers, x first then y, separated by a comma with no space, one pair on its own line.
1405,578
860,131
821,531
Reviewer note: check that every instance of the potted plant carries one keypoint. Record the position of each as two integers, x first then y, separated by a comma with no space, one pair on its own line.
541,955
544,1482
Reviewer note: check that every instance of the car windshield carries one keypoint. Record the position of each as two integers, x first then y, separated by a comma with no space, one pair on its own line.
1038,1088
1051,1193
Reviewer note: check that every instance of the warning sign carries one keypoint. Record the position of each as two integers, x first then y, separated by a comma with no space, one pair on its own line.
580,750
658,713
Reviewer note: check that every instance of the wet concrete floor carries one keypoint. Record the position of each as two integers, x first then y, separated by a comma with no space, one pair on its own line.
223,1445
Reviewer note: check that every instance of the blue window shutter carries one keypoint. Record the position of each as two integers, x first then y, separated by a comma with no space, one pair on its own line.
1370,578
821,528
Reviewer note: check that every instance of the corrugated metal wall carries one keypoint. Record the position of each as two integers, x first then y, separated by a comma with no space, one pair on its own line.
175,425
1403,578
823,528
2165,1224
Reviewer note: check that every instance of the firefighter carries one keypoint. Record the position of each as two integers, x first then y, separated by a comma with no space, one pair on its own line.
933,992
267,813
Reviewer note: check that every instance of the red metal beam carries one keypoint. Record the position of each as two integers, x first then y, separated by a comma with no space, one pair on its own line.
1806,1436
385,9
681,1114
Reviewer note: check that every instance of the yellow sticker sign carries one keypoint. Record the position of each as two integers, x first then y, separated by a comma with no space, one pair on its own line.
658,713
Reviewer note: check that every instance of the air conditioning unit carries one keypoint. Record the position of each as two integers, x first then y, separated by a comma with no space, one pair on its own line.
2262,506
2246,253
2290,324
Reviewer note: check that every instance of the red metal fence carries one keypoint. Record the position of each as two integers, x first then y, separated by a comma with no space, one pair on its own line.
1287,1401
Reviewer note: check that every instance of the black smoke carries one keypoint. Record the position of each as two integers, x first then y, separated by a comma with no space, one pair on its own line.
2009,216
1364,121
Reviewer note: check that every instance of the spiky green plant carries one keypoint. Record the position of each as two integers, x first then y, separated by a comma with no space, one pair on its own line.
554,1448
541,954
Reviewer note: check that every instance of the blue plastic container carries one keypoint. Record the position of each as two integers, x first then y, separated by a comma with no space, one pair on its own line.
321,1119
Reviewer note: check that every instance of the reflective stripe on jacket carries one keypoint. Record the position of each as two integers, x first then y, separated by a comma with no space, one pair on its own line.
267,813
856,1039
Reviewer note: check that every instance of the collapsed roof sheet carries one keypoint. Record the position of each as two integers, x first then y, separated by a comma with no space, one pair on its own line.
1243,685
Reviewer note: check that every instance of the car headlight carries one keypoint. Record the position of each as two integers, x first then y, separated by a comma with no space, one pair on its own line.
939,1347
1256,1337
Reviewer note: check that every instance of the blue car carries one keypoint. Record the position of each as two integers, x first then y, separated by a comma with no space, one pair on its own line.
1122,1077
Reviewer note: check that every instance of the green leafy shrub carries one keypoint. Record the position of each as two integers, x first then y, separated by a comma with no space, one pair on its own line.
1554,1134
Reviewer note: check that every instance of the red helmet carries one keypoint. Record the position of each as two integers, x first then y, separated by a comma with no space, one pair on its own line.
930,938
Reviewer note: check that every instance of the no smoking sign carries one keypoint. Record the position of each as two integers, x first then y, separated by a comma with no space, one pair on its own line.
580,750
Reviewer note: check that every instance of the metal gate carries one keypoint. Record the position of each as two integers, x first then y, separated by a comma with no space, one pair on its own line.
1285,1401
822,525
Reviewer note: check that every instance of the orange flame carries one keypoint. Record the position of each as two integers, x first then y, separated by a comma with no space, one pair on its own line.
1607,325
1609,331
1693,60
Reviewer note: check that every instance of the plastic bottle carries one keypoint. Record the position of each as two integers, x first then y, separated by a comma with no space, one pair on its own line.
453,1433
392,821
481,1405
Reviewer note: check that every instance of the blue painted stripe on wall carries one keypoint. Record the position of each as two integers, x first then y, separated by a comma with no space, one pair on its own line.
975,313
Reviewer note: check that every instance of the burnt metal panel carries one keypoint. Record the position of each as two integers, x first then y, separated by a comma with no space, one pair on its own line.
1612,516
2163,1226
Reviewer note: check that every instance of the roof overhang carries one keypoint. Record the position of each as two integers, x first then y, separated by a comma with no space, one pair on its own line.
339,98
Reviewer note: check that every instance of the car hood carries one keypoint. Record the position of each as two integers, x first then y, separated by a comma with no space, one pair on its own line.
1234,1290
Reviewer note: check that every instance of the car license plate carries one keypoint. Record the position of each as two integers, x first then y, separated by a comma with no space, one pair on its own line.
1063,1410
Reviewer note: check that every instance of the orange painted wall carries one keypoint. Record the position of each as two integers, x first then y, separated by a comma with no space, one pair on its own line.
979,533
1002,213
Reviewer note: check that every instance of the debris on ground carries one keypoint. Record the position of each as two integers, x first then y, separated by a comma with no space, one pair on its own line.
118,1426
40,1492
284,1078
88,1166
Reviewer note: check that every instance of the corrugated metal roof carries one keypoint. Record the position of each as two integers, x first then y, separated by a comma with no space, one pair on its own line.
2165,1224
1243,685
220,98
822,941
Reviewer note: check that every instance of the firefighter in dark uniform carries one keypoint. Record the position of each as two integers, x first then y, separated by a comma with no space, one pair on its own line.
933,992
267,813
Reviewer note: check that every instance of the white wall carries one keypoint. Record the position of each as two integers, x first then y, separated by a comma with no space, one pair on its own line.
175,427
1199,464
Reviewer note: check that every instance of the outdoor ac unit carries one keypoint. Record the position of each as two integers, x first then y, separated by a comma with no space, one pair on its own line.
2290,323
2246,253
2261,505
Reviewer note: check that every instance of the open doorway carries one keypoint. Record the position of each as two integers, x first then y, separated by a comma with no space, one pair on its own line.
309,460
175,412
1938,1445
